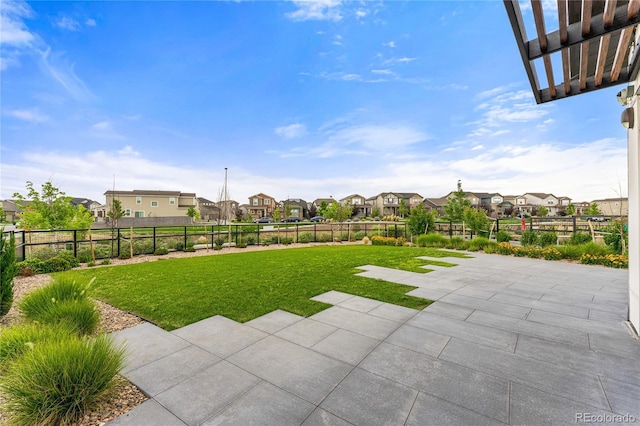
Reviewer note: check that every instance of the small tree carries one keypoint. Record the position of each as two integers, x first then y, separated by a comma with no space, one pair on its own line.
592,209
375,212
313,211
3,215
115,212
476,219
570,210
8,271
403,209
338,211
276,219
421,221
48,209
193,213
542,211
456,205
322,210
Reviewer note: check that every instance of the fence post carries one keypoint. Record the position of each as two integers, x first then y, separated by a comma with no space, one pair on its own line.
531,223
497,225
450,229
118,242
575,224
258,232
296,240
24,245
315,234
154,239
75,243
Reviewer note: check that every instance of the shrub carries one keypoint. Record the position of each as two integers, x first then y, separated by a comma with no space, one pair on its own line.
105,262
505,248
529,238
431,240
614,236
595,249
570,251
161,251
359,235
551,253
610,260
286,240
179,246
250,239
324,237
68,256
8,270
579,238
56,264
503,237
91,264
305,237
491,248
366,240
379,240
44,253
16,340
59,381
478,243
533,252
100,252
548,239
457,243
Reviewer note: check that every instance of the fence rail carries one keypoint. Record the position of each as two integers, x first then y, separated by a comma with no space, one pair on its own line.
118,242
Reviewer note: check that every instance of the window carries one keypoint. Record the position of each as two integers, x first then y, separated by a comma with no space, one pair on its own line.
127,212
154,204
267,202
355,201
550,202
172,200
138,200
139,213
254,201
496,200
390,200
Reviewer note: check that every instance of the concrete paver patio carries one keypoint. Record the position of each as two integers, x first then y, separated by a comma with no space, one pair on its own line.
508,341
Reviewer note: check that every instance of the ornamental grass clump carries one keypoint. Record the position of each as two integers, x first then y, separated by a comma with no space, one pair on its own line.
57,382
62,302
431,240
17,340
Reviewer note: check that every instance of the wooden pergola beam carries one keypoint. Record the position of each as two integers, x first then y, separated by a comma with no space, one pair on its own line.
623,45
602,58
585,26
609,13
562,21
538,17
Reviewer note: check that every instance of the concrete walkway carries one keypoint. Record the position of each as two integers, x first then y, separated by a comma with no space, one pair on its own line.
508,341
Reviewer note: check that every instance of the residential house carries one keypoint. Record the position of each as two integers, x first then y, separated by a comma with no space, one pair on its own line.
436,204
318,201
613,206
261,205
11,210
208,210
531,201
361,208
86,203
299,208
229,209
581,207
388,203
150,203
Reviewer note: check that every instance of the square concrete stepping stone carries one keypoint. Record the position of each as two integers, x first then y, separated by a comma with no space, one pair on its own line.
199,397
419,340
219,335
149,413
393,312
332,297
346,346
274,321
429,410
473,390
358,322
490,336
167,372
557,380
264,404
298,370
320,417
306,332
146,343
363,398
360,304
534,407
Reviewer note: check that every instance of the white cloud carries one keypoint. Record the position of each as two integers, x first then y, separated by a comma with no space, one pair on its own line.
67,23
31,115
383,72
361,13
15,37
90,22
390,44
102,126
292,131
64,73
316,10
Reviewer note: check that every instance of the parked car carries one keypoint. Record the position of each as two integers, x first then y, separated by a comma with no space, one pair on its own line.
318,219
264,220
597,219
291,219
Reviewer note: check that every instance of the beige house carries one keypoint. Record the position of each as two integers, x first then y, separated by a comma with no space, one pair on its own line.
261,205
613,206
388,203
145,203
360,207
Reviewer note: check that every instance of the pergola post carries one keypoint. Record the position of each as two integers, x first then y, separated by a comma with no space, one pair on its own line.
634,214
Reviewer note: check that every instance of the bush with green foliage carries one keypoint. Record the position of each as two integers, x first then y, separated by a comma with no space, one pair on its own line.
305,237
570,251
431,240
503,237
8,270
478,243
161,251
324,237
379,240
610,260
457,243
57,382
35,266
595,249
62,302
615,233
529,238
548,239
551,253
579,238
16,340
44,253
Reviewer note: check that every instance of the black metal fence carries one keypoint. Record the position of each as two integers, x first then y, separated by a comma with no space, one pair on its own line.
118,242
122,242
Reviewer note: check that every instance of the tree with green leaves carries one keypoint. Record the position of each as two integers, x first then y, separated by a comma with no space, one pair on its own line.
403,209
193,213
115,212
375,212
8,270
570,210
421,221
3,215
457,204
339,212
542,211
593,209
48,209
476,219
322,210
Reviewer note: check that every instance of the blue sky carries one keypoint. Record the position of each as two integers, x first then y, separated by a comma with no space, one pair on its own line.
297,99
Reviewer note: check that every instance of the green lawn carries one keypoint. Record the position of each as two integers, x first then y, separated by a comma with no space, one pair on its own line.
173,293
